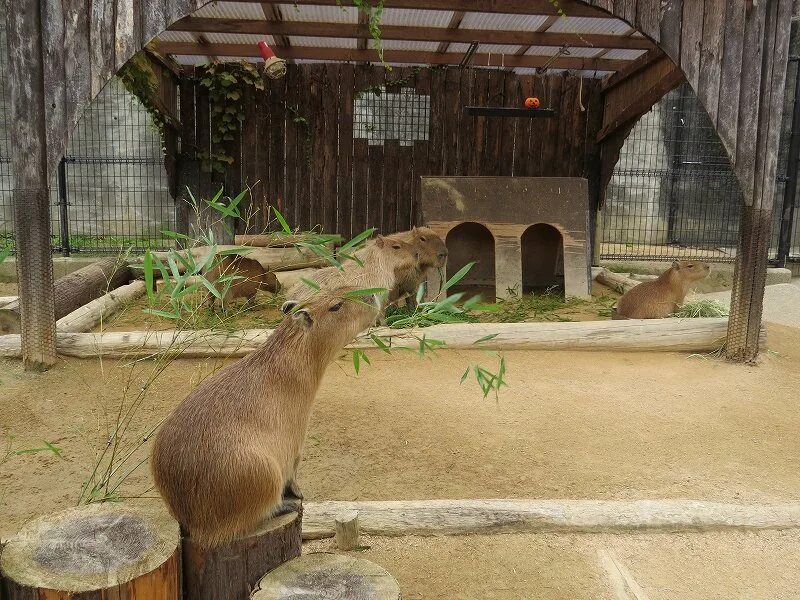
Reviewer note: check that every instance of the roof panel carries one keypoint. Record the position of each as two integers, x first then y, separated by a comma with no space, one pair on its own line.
247,11
497,49
409,45
238,38
176,36
551,50
501,21
589,25
625,54
322,14
321,42
416,18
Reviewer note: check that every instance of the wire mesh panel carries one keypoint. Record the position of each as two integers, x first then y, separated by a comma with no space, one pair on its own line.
402,116
673,193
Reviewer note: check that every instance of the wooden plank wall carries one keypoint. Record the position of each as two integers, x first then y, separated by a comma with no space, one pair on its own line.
297,151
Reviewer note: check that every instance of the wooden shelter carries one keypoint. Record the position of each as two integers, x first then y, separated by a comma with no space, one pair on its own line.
733,53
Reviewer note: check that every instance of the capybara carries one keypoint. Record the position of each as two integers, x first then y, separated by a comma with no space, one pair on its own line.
383,263
432,254
254,277
226,458
658,298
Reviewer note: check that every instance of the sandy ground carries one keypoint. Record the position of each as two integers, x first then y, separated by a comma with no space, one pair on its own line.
696,566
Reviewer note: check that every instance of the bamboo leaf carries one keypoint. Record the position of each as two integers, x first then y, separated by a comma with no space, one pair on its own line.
357,240
281,220
460,274
486,338
364,292
310,283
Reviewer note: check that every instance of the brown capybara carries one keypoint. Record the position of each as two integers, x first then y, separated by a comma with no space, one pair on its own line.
226,458
660,297
383,263
253,276
432,254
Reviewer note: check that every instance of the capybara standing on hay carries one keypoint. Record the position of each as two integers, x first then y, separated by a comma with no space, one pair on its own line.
254,277
658,298
227,455
384,262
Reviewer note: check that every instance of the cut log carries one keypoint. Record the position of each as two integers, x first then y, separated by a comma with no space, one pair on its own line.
288,279
346,527
632,335
233,570
328,576
74,290
111,550
456,517
89,316
280,240
6,300
616,281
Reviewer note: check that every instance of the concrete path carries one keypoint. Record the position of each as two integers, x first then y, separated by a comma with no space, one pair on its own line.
781,302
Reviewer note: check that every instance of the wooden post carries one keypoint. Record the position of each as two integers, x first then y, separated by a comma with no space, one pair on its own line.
755,226
31,198
111,550
328,575
233,570
346,526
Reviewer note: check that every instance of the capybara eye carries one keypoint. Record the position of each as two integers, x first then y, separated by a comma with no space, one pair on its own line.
396,246
336,306
421,239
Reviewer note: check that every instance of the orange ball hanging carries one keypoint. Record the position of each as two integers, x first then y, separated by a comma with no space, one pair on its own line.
532,102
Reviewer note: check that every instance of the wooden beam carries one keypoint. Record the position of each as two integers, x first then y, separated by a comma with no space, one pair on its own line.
363,19
571,8
455,23
635,66
401,32
272,13
457,517
392,56
542,28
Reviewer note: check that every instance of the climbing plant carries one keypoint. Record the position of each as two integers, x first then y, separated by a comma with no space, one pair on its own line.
226,84
138,77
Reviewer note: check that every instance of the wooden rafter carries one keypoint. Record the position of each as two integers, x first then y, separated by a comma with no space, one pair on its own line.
400,32
549,21
394,56
361,44
572,8
634,67
455,23
272,13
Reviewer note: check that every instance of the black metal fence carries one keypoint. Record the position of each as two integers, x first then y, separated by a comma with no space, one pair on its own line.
111,191
674,194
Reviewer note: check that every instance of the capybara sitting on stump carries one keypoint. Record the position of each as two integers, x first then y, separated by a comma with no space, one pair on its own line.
226,458
658,298
253,276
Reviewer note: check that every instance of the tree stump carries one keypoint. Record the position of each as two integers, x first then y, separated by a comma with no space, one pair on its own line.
232,570
327,576
95,552
73,290
346,530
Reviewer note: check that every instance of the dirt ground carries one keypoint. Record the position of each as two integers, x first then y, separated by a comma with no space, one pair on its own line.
569,425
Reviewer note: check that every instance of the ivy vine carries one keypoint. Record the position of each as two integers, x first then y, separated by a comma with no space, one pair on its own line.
138,78
226,84
373,14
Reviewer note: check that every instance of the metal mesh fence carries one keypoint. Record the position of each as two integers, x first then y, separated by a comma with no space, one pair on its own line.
402,116
111,192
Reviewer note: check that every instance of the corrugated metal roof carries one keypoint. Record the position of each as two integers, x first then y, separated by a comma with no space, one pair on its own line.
594,74
409,45
321,42
416,18
624,54
176,36
231,10
322,14
501,21
589,25
552,50
238,38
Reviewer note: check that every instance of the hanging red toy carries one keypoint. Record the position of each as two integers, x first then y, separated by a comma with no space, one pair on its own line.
274,67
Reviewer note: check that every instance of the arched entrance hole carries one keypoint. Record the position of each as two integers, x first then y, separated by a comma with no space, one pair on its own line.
469,242
542,258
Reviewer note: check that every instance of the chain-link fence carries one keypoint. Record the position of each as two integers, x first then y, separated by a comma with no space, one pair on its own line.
111,190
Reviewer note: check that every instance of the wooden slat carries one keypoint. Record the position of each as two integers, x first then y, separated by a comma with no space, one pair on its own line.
636,65
647,16
711,57
422,85
401,32
494,127
466,124
539,128
392,56
405,186
452,121
330,132
292,146
691,41
731,71
318,193
438,109
375,186
251,148
304,148
478,145
510,99
360,170
276,157
388,216
344,162
549,141
523,133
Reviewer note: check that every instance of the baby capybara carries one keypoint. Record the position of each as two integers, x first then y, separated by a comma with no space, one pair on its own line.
249,277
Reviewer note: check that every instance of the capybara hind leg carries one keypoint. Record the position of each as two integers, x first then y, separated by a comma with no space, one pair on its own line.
291,490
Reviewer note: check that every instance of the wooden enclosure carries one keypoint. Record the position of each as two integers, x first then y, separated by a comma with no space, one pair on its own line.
733,54
298,148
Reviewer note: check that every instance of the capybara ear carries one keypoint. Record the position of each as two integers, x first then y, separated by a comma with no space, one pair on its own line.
287,306
380,241
676,264
303,316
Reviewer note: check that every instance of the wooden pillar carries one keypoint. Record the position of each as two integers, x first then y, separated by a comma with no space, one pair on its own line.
31,198
755,225
188,168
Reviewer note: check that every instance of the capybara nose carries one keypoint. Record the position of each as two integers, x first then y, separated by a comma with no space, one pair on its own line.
442,255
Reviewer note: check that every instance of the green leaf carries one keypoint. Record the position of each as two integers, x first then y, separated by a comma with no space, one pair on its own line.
357,240
381,343
458,276
147,267
281,220
364,292
357,360
310,283
174,235
465,375
486,338
161,313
